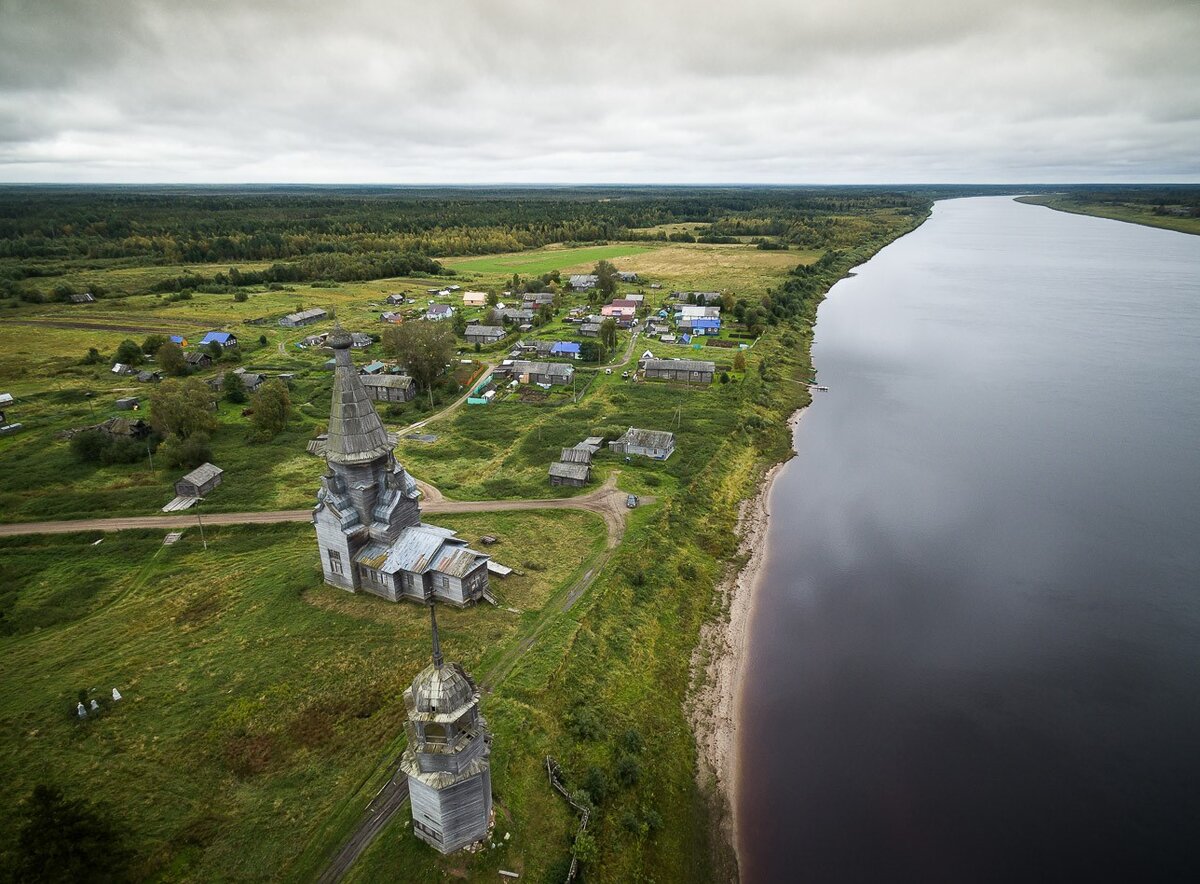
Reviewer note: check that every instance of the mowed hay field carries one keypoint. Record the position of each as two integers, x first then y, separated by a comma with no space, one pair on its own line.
258,704
741,269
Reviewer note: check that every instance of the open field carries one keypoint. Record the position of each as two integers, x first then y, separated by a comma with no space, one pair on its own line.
255,698
545,260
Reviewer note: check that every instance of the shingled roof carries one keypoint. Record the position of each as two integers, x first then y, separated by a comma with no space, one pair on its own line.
356,434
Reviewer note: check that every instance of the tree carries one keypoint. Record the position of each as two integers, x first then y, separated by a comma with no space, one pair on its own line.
235,389
66,840
181,408
606,281
424,348
93,357
214,350
272,408
739,361
727,302
187,453
171,359
129,353
460,323
151,345
608,332
240,296
492,299
262,340
724,377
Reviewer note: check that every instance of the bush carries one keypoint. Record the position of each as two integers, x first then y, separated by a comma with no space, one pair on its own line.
585,724
188,453
628,770
240,296
67,840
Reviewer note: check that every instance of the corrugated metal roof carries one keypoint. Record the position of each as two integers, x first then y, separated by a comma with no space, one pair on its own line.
679,365
648,438
419,549
203,473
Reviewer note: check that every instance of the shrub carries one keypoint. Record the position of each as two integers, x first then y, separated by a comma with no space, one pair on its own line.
187,453
240,296
628,770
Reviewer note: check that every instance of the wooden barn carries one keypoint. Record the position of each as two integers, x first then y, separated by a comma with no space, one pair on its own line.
657,444
390,387
199,481
693,371
574,474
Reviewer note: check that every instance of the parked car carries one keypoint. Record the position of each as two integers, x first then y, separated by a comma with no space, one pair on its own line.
631,501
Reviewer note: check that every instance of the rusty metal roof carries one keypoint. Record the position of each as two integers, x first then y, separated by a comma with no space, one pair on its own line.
419,549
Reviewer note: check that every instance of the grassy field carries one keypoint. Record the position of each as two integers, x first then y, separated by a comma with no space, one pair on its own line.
256,700
1133,213
545,260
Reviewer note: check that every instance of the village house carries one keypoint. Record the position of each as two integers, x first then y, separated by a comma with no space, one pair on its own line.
573,474
583,281
690,370
149,377
368,519
179,339
484,334
390,387
225,339
627,276
127,403
304,317
375,367
568,349
315,340
590,329
396,299
474,299
389,316
122,368
198,359
437,312
251,381
84,298
629,303
700,326
199,481
696,311
516,314
578,454
656,444
553,373
360,341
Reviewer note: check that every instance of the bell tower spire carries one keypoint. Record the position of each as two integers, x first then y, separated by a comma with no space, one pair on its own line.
437,645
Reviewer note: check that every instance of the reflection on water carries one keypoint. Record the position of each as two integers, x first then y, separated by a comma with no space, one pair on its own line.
976,643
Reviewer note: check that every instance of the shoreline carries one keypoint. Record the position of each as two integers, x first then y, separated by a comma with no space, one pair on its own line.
718,666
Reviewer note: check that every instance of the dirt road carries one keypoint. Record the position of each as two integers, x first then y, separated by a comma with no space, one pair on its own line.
606,501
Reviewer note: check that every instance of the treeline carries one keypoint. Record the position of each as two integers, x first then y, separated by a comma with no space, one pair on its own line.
340,268
164,225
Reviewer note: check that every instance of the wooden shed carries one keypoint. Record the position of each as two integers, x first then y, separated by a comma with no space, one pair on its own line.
573,474
389,387
199,481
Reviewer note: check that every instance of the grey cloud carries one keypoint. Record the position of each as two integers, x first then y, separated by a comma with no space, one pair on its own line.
484,91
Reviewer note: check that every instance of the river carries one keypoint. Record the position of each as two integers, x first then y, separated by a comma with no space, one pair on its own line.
975,647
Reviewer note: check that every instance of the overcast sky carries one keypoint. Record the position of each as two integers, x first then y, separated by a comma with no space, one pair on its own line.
488,91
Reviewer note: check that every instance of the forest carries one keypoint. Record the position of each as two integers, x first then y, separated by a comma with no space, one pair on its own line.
304,234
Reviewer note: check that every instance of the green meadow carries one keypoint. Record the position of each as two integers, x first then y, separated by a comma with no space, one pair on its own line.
546,260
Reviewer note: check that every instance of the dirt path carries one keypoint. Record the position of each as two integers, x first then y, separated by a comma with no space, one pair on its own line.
457,403
606,501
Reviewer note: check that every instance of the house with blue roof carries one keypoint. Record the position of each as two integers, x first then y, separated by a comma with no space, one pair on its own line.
225,339
179,339
565,348
704,326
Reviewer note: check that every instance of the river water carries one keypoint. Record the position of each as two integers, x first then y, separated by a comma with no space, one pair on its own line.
975,649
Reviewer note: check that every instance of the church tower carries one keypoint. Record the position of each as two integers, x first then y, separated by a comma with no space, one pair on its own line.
365,495
449,776
368,521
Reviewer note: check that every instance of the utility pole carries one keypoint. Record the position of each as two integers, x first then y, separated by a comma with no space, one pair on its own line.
150,455
200,522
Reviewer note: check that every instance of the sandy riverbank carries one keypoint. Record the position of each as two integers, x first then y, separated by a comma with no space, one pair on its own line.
718,665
